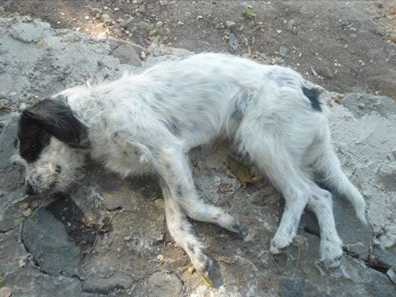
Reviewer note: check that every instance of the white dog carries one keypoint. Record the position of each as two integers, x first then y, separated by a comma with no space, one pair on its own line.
147,123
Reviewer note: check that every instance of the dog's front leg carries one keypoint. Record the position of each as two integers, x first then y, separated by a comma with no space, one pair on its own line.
181,199
180,229
174,168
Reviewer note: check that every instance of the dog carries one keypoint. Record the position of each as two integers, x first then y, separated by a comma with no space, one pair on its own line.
148,122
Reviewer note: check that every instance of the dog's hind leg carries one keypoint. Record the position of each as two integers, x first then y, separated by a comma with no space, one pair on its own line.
328,166
320,202
272,158
174,168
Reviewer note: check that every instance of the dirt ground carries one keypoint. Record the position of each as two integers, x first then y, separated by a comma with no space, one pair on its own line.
342,45
98,242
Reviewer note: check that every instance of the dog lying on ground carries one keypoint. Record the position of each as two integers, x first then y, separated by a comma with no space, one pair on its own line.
147,123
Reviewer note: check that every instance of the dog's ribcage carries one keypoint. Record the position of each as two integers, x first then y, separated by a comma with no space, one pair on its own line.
191,101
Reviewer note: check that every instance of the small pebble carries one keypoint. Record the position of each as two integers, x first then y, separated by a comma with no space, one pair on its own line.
27,212
5,292
161,258
230,24
283,51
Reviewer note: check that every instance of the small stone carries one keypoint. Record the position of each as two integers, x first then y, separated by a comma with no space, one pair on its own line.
324,71
127,54
27,212
106,18
5,292
283,51
161,258
230,24
87,17
118,280
391,273
233,42
200,17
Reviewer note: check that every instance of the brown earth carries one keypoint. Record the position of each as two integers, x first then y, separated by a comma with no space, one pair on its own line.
342,45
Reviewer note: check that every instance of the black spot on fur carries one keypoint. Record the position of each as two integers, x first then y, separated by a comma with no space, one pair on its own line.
49,118
32,139
313,96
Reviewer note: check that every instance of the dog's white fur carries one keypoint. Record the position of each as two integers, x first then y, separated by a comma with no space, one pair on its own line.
148,123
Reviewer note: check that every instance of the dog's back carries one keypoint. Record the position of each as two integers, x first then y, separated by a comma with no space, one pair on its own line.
196,99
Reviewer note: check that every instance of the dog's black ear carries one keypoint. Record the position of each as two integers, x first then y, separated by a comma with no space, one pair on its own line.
58,120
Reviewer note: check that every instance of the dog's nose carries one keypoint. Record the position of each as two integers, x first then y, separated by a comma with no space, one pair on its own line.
29,189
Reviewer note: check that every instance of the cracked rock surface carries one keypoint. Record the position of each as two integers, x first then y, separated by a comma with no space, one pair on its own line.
108,237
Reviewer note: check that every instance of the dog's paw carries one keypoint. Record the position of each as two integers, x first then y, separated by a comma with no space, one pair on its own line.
241,230
331,253
205,267
279,242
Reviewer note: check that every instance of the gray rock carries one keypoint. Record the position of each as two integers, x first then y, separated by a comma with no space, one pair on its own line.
384,106
391,273
13,256
11,215
127,54
292,287
383,258
385,82
46,239
30,282
325,71
106,285
11,175
356,237
30,32
163,284
364,140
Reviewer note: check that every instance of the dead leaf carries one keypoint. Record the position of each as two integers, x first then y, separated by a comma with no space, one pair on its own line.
243,173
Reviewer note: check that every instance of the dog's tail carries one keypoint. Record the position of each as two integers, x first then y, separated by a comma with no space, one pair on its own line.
329,168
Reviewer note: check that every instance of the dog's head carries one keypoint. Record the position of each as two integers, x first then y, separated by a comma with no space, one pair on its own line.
52,142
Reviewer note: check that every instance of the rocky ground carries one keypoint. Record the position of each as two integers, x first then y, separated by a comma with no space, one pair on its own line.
108,237
343,45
